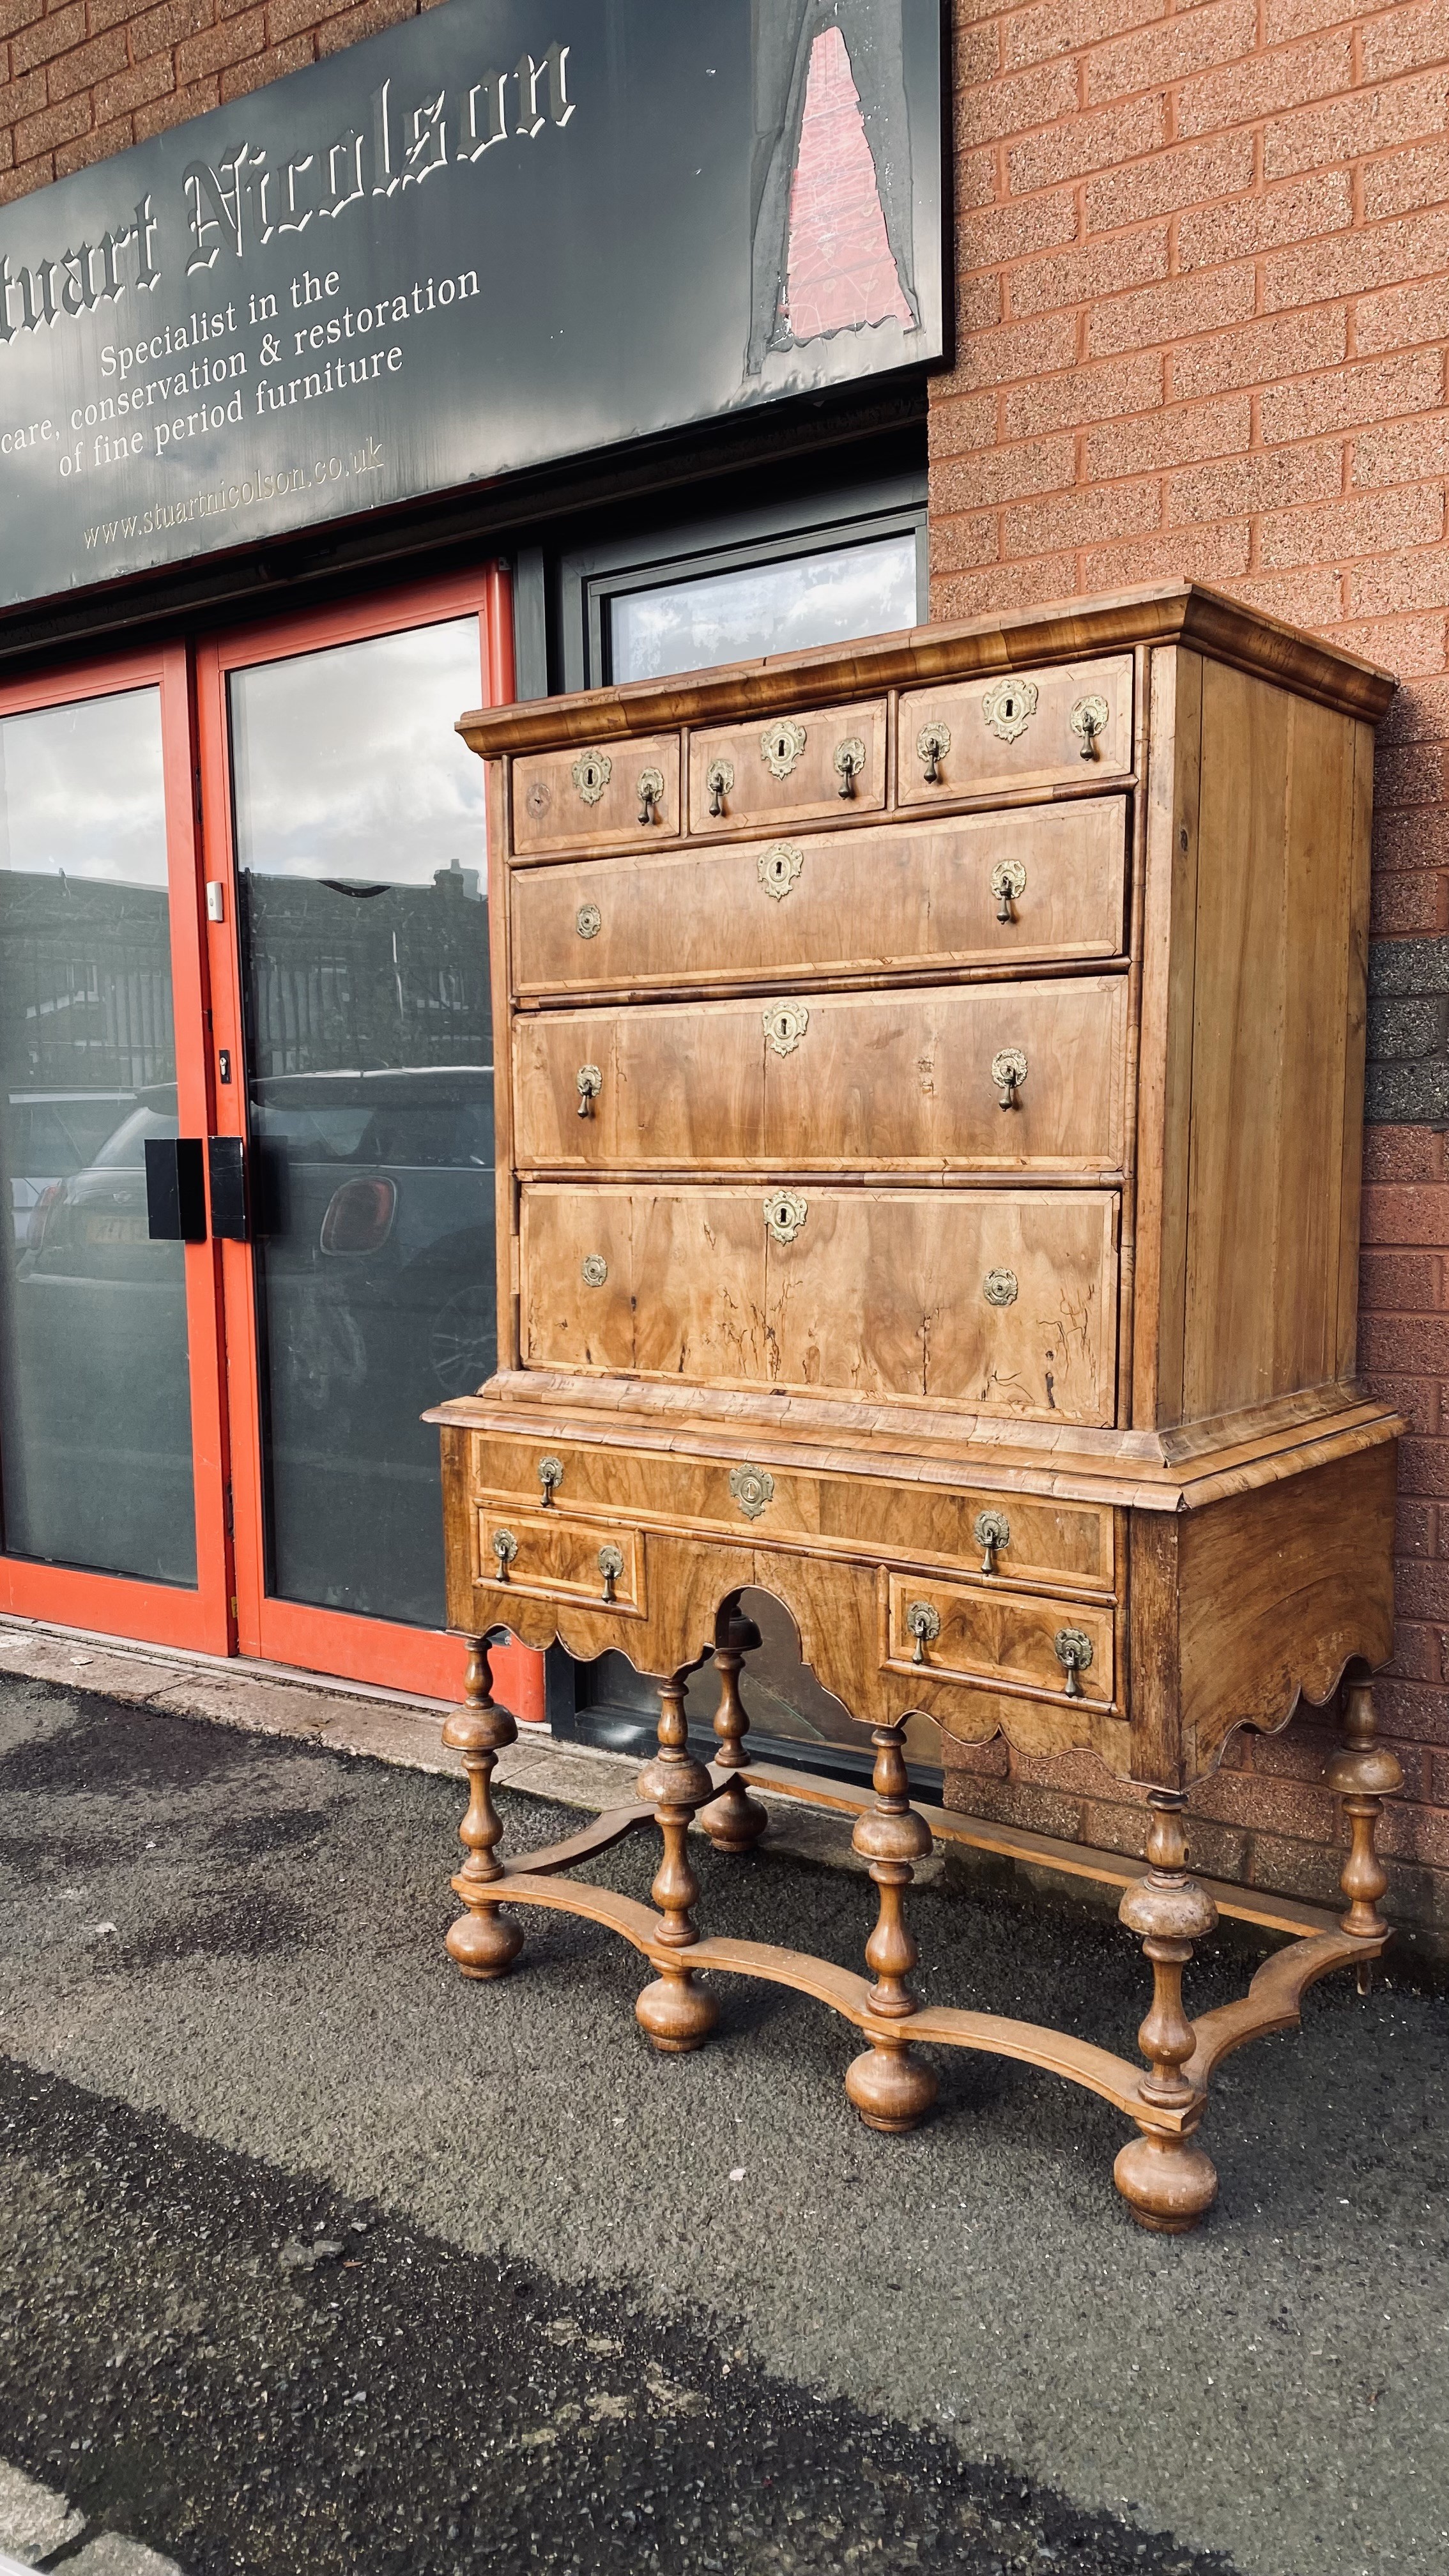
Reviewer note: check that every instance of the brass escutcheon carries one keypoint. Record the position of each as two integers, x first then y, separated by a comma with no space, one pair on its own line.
611,1566
932,744
595,1269
550,1476
785,1213
719,778
1007,1070
592,772
1008,884
992,1531
781,744
999,1287
586,921
780,865
785,1025
753,1488
924,1624
1009,706
1075,1651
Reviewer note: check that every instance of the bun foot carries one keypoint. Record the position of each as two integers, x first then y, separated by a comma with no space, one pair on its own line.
889,2087
1169,2184
483,1943
676,2013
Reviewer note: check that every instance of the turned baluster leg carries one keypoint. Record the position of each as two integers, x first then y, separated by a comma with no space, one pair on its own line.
484,1942
889,2086
1167,2181
1364,1773
734,1821
674,2010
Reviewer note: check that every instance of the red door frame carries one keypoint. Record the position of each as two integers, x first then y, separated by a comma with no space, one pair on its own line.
330,1641
117,1605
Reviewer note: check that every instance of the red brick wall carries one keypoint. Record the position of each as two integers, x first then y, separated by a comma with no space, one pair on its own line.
1203,301
85,78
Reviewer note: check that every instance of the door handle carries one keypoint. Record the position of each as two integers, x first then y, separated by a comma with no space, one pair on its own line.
175,1190
226,1162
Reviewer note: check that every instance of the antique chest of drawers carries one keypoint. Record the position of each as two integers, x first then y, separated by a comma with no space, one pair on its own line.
929,1092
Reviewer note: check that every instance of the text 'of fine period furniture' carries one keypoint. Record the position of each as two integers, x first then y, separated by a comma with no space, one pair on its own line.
929,1094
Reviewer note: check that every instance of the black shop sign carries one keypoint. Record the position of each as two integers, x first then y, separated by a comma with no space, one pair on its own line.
505,232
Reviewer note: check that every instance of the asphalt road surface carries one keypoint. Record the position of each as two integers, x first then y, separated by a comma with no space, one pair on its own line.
317,2259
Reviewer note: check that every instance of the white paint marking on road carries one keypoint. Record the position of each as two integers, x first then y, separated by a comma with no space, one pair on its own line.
34,2520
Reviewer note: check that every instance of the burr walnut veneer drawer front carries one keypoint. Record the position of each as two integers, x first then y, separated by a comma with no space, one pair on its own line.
967,890
1003,1300
596,797
984,1536
779,769
1009,1640
542,1552
1030,729
981,1077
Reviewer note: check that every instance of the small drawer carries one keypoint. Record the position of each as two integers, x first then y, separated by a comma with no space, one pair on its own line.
596,797
820,765
1064,727
548,1556
1011,1640
1046,881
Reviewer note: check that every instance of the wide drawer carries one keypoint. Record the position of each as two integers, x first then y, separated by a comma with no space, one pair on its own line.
1012,1640
994,1538
550,1556
789,768
980,1077
1002,1300
968,890
596,796
1047,728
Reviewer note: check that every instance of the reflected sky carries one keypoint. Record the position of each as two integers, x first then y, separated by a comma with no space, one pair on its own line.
82,792
828,598
346,763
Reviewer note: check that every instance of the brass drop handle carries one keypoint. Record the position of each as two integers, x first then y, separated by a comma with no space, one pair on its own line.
1075,1652
611,1566
993,1531
550,1476
1089,718
1008,1071
924,1624
1008,884
932,744
590,1083
849,762
719,778
505,1548
651,790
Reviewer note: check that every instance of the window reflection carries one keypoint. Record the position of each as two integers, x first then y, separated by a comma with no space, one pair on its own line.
95,1424
364,930
827,598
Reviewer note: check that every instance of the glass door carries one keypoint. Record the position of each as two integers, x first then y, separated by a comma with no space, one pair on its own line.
112,1467
345,819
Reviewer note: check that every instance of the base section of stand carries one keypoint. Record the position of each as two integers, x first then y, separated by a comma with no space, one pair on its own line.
676,2012
483,1943
1169,2184
889,2086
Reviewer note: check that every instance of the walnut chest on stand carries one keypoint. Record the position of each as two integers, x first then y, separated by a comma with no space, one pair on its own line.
929,1093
